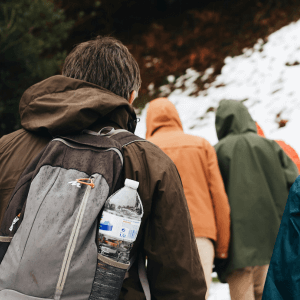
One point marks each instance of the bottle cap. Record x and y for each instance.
(131, 183)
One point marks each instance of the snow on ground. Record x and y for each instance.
(266, 77)
(218, 291)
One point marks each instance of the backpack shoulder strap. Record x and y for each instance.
(125, 138)
(143, 277)
(142, 273)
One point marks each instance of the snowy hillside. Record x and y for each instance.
(266, 77)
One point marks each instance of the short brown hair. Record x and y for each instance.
(104, 61)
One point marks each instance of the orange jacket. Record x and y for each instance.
(197, 165)
(292, 154)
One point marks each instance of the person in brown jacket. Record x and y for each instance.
(99, 82)
(197, 165)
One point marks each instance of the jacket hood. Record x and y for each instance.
(62, 105)
(232, 117)
(259, 130)
(162, 116)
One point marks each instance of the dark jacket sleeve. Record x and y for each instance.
(166, 234)
(17, 150)
(283, 275)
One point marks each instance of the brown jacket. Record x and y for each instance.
(197, 164)
(61, 105)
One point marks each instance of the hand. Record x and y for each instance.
(219, 264)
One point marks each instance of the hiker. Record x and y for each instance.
(197, 165)
(291, 152)
(282, 279)
(257, 175)
(99, 81)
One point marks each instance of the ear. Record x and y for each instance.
(132, 97)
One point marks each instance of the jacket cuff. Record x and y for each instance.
(221, 254)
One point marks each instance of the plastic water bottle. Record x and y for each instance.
(120, 222)
(119, 226)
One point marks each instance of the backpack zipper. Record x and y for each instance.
(15, 220)
(71, 245)
(89, 147)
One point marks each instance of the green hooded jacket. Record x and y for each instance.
(257, 176)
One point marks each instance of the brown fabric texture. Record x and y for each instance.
(197, 165)
(174, 268)
(56, 106)
(247, 283)
(62, 105)
(17, 150)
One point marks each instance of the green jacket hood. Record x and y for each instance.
(232, 117)
(62, 105)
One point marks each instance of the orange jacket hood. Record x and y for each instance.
(63, 105)
(162, 116)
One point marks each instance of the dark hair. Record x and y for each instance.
(104, 61)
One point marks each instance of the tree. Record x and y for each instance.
(31, 32)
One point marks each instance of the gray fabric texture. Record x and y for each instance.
(13, 295)
(44, 234)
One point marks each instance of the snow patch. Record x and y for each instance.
(265, 77)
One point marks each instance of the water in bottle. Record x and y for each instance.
(119, 226)
(120, 222)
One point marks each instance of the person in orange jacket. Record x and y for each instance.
(292, 154)
(203, 186)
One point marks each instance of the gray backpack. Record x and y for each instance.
(49, 251)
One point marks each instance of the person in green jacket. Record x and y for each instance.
(257, 175)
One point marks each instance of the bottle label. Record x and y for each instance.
(120, 228)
